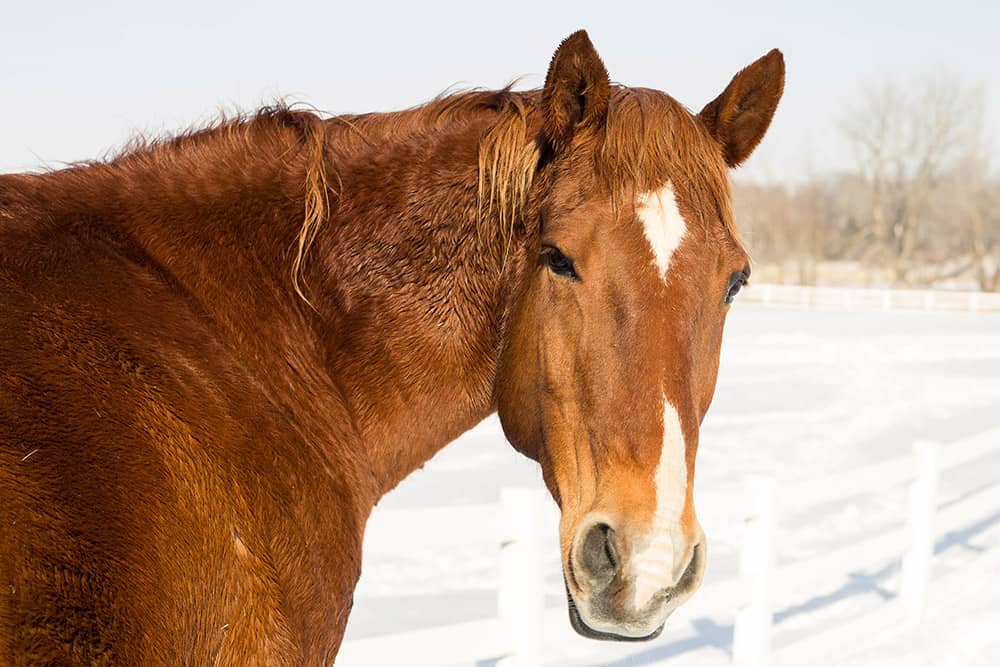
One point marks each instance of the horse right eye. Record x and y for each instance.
(559, 263)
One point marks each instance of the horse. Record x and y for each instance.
(219, 350)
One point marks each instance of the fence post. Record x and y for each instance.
(765, 294)
(916, 570)
(928, 300)
(521, 595)
(752, 630)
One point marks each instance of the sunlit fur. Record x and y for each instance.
(218, 351)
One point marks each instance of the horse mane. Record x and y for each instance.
(508, 156)
(649, 138)
(262, 132)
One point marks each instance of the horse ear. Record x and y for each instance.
(739, 117)
(576, 90)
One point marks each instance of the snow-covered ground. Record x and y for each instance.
(802, 395)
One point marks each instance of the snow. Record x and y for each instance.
(802, 395)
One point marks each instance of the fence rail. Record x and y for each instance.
(513, 526)
(859, 298)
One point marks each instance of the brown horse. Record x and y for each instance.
(217, 352)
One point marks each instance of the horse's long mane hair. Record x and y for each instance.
(648, 137)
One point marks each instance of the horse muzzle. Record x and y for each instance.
(619, 591)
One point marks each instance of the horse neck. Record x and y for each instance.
(413, 285)
(217, 214)
(395, 353)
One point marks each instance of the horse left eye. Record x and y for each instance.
(736, 282)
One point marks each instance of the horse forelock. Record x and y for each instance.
(648, 139)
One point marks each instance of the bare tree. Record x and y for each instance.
(921, 206)
(908, 142)
(975, 203)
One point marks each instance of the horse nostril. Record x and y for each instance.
(598, 556)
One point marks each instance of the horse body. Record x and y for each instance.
(138, 502)
(198, 429)
(203, 397)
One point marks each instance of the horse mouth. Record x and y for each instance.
(585, 630)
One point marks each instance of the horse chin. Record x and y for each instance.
(585, 630)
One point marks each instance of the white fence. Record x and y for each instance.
(851, 298)
(516, 635)
(513, 526)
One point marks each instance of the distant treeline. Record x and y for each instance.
(921, 207)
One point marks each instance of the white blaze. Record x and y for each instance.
(663, 225)
(659, 563)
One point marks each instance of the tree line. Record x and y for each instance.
(919, 207)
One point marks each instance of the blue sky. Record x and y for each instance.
(78, 78)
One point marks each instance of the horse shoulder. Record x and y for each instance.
(145, 488)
